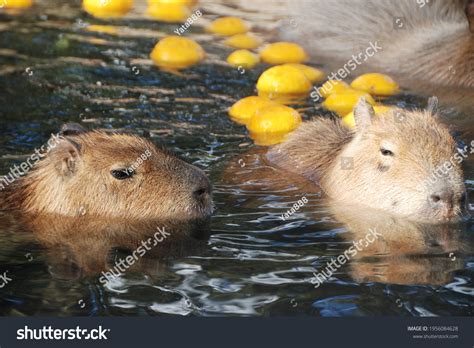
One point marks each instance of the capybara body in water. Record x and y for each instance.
(430, 41)
(390, 162)
(103, 174)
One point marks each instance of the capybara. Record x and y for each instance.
(400, 251)
(390, 162)
(96, 173)
(430, 41)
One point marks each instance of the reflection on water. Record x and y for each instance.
(248, 261)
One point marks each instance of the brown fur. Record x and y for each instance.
(322, 140)
(74, 179)
(434, 44)
(398, 183)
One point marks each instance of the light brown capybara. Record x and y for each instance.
(101, 174)
(400, 251)
(403, 162)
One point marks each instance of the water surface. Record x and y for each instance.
(251, 262)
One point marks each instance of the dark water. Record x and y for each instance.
(252, 262)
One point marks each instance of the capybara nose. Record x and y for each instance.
(199, 193)
(442, 202)
(202, 189)
(442, 197)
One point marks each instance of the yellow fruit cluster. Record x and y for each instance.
(341, 97)
(171, 11)
(267, 121)
(267, 116)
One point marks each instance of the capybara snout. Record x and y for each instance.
(193, 184)
(445, 201)
(115, 175)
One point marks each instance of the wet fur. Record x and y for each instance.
(316, 149)
(162, 187)
(435, 44)
(311, 149)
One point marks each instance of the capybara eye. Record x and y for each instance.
(122, 174)
(386, 152)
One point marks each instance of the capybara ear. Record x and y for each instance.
(65, 156)
(432, 106)
(72, 129)
(363, 113)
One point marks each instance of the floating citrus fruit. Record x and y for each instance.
(313, 74)
(283, 83)
(189, 3)
(268, 139)
(176, 52)
(16, 4)
(243, 58)
(283, 52)
(228, 26)
(274, 119)
(343, 102)
(349, 121)
(332, 86)
(170, 12)
(244, 109)
(244, 41)
(376, 84)
(107, 8)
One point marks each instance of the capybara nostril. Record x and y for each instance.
(444, 203)
(203, 189)
(435, 198)
(444, 196)
(200, 192)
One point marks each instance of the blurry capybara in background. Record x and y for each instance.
(431, 41)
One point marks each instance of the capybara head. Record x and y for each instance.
(405, 162)
(115, 175)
